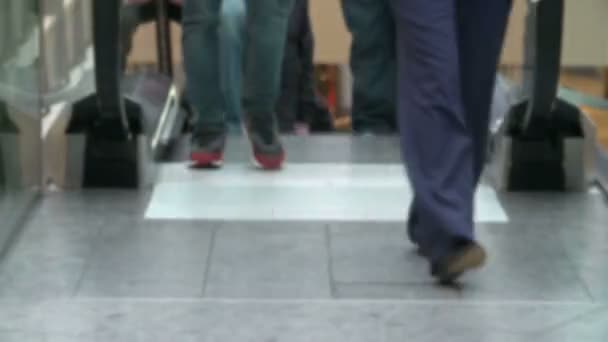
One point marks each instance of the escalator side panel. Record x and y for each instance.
(560, 160)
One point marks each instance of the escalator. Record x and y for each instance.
(542, 142)
(117, 134)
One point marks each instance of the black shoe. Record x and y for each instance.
(208, 148)
(263, 134)
(466, 257)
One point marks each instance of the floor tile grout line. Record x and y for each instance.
(579, 277)
(339, 301)
(429, 284)
(556, 326)
(330, 261)
(583, 282)
(208, 264)
(97, 240)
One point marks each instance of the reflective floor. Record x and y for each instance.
(287, 263)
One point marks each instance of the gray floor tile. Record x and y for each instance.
(558, 208)
(587, 247)
(415, 291)
(361, 253)
(596, 280)
(104, 203)
(149, 259)
(22, 336)
(288, 321)
(590, 327)
(48, 257)
(526, 262)
(269, 260)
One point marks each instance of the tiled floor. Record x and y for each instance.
(91, 266)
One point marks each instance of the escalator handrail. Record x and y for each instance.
(544, 33)
(163, 38)
(107, 56)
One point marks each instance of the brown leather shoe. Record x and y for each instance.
(467, 257)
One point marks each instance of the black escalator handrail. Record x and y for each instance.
(544, 32)
(163, 38)
(107, 54)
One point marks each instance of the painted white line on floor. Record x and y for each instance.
(301, 192)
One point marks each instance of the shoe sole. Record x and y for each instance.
(202, 162)
(270, 165)
(472, 258)
(274, 164)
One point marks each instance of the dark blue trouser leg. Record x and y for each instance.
(441, 123)
(481, 29)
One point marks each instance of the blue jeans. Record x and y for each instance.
(206, 50)
(232, 42)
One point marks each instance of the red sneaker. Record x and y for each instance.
(208, 149)
(263, 134)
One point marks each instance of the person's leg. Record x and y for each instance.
(287, 104)
(201, 60)
(477, 22)
(480, 21)
(436, 142)
(266, 34)
(232, 35)
(373, 65)
(311, 108)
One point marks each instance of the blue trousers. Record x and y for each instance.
(231, 47)
(447, 52)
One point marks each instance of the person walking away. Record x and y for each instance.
(447, 52)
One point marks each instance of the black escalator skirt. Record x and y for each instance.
(110, 159)
(538, 154)
(123, 112)
(540, 125)
(109, 122)
(7, 126)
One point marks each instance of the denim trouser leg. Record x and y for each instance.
(373, 64)
(232, 41)
(266, 35)
(201, 19)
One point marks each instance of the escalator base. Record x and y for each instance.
(541, 166)
(95, 163)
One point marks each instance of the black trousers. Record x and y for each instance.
(299, 101)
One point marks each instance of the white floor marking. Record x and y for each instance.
(301, 192)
